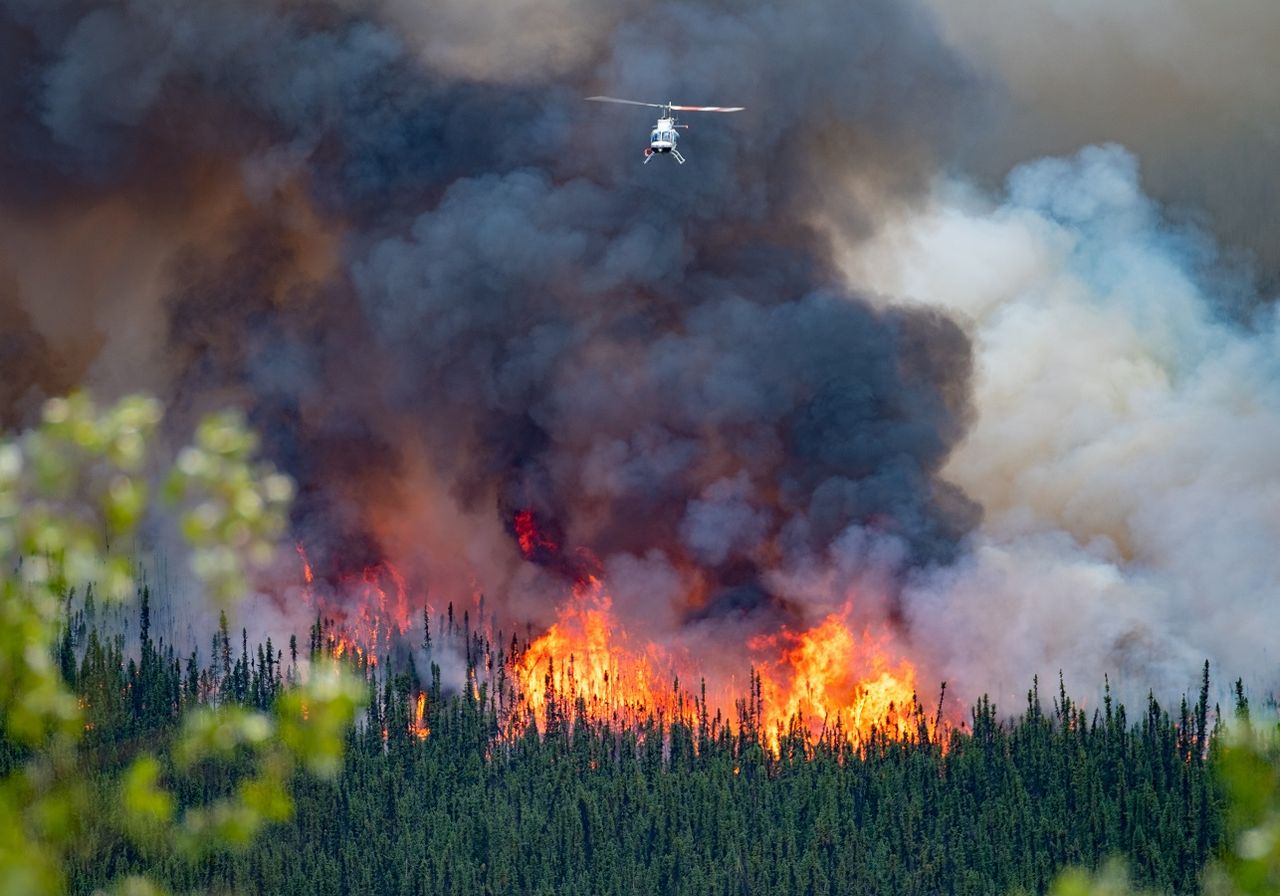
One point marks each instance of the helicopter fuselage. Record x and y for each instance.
(663, 138)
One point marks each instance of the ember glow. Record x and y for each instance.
(533, 542)
(358, 615)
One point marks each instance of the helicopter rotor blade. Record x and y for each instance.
(672, 106)
(614, 99)
(708, 108)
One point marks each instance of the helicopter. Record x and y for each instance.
(663, 137)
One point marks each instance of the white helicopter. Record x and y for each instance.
(663, 138)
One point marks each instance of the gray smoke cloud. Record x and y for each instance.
(449, 293)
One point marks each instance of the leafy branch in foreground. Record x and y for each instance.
(1250, 767)
(72, 487)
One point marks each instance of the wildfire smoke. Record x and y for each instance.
(671, 420)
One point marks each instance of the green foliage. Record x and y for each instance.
(306, 730)
(1247, 760)
(232, 508)
(1250, 767)
(314, 720)
(70, 489)
(1111, 880)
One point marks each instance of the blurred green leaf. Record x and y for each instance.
(69, 488)
(145, 803)
(1250, 767)
(313, 719)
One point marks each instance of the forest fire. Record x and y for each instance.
(418, 724)
(827, 680)
(834, 683)
(581, 657)
(357, 615)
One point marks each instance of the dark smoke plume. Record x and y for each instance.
(448, 292)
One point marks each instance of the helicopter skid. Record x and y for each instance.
(665, 150)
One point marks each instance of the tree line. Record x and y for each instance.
(442, 793)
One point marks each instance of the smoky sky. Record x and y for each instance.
(397, 256)
(1186, 86)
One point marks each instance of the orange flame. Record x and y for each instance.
(378, 618)
(831, 682)
(826, 678)
(580, 659)
(307, 575)
(418, 725)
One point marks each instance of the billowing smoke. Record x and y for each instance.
(449, 293)
(1124, 442)
(814, 366)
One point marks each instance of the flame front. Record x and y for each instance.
(827, 680)
(832, 682)
(581, 658)
(821, 682)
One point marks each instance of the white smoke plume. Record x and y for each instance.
(1124, 447)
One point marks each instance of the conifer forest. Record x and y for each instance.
(448, 793)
